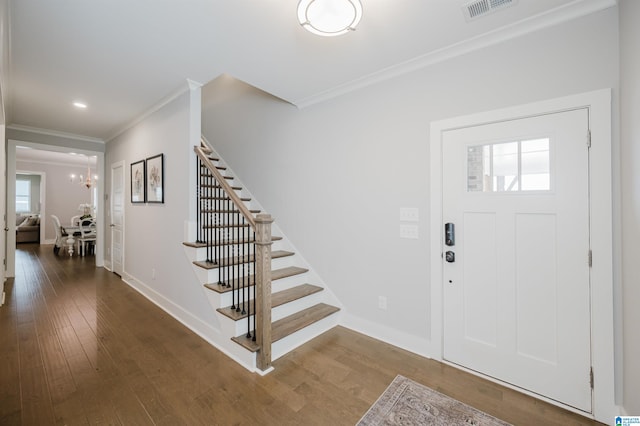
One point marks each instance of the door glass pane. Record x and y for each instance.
(535, 165)
(505, 166)
(509, 166)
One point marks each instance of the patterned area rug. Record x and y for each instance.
(406, 402)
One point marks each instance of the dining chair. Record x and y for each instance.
(87, 238)
(61, 234)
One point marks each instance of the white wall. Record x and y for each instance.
(154, 233)
(630, 170)
(4, 63)
(335, 175)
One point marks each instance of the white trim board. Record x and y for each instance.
(602, 323)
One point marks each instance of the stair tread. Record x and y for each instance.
(206, 185)
(208, 151)
(276, 274)
(289, 325)
(239, 259)
(204, 197)
(204, 244)
(226, 211)
(217, 167)
(277, 299)
(227, 225)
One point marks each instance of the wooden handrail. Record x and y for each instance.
(226, 187)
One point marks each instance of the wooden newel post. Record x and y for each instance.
(263, 290)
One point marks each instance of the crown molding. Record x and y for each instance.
(47, 132)
(184, 88)
(565, 13)
(55, 163)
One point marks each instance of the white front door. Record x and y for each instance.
(516, 281)
(117, 217)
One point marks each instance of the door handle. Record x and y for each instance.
(450, 256)
(112, 225)
(449, 234)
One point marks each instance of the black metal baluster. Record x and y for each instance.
(247, 270)
(198, 189)
(208, 215)
(220, 229)
(255, 293)
(229, 250)
(214, 213)
(241, 259)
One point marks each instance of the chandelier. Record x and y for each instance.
(87, 182)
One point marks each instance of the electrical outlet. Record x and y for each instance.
(382, 302)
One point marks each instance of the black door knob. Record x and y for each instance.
(450, 256)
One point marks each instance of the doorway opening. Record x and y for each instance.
(56, 165)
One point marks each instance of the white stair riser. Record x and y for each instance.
(298, 305)
(201, 252)
(194, 253)
(289, 282)
(277, 313)
(283, 262)
(233, 328)
(211, 275)
(289, 343)
(226, 299)
(276, 285)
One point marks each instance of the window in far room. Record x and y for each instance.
(23, 196)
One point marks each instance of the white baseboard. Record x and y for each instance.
(195, 324)
(417, 345)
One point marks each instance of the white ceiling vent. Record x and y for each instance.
(478, 8)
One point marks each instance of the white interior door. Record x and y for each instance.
(117, 218)
(516, 296)
(3, 235)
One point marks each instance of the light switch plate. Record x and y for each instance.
(409, 214)
(409, 231)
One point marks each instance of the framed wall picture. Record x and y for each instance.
(155, 179)
(138, 186)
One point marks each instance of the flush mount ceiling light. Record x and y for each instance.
(329, 17)
(80, 105)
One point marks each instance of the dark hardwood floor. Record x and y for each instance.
(78, 346)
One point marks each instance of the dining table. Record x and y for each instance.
(71, 241)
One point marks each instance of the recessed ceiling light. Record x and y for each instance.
(80, 105)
